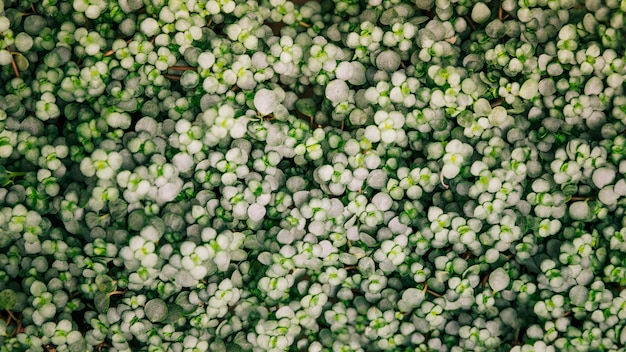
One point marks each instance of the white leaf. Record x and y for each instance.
(603, 176)
(579, 210)
(499, 279)
(337, 91)
(256, 212)
(529, 89)
(266, 101)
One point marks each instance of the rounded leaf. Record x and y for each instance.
(578, 295)
(156, 310)
(480, 13)
(529, 89)
(497, 116)
(8, 299)
(579, 211)
(337, 91)
(266, 101)
(102, 301)
(603, 176)
(499, 280)
(388, 60)
(37, 288)
(413, 297)
(306, 106)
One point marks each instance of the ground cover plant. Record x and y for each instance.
(343, 175)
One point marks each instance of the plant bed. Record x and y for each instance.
(343, 175)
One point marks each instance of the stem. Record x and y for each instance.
(497, 103)
(183, 68)
(14, 65)
(172, 77)
(304, 24)
(13, 174)
(116, 293)
(433, 293)
(11, 317)
(443, 183)
(109, 53)
(471, 23)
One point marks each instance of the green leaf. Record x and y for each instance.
(118, 209)
(8, 299)
(37, 288)
(569, 189)
(175, 312)
(102, 301)
(105, 283)
(306, 106)
(156, 310)
(136, 220)
(182, 301)
(94, 220)
(529, 89)
(233, 347)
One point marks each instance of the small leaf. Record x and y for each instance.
(499, 279)
(182, 300)
(569, 189)
(388, 60)
(118, 209)
(185, 279)
(266, 101)
(337, 91)
(580, 211)
(105, 283)
(236, 348)
(413, 297)
(21, 61)
(175, 312)
(306, 106)
(603, 176)
(578, 295)
(102, 302)
(94, 220)
(480, 13)
(156, 310)
(529, 89)
(8, 299)
(37, 288)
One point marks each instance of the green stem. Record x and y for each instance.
(11, 175)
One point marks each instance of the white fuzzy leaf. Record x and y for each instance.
(266, 101)
(499, 279)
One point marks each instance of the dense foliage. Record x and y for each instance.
(343, 175)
